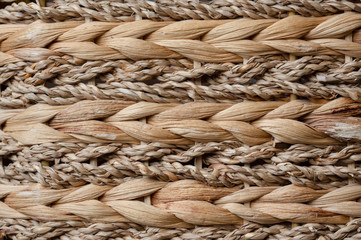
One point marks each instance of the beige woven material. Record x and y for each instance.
(60, 10)
(185, 124)
(224, 119)
(220, 41)
(259, 78)
(181, 204)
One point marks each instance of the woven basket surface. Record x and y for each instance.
(185, 119)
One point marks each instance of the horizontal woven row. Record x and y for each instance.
(181, 204)
(66, 70)
(108, 10)
(60, 165)
(228, 166)
(220, 41)
(30, 229)
(176, 81)
(328, 124)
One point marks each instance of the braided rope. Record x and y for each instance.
(18, 94)
(227, 152)
(69, 163)
(181, 204)
(265, 78)
(79, 229)
(186, 123)
(171, 10)
(221, 40)
(110, 173)
(61, 70)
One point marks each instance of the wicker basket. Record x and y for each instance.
(133, 119)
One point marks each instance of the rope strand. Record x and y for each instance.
(221, 40)
(186, 123)
(182, 203)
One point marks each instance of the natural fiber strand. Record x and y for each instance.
(128, 160)
(181, 204)
(184, 124)
(62, 71)
(30, 229)
(247, 81)
(171, 10)
(221, 40)
(112, 171)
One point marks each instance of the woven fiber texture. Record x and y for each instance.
(181, 204)
(171, 81)
(185, 124)
(221, 41)
(125, 10)
(186, 119)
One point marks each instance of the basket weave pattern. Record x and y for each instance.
(224, 119)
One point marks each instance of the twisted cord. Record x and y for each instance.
(70, 166)
(20, 228)
(225, 81)
(62, 71)
(227, 152)
(181, 204)
(174, 10)
(110, 173)
(220, 40)
(19, 94)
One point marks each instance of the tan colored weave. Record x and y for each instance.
(220, 41)
(259, 78)
(224, 119)
(181, 204)
(188, 123)
(60, 10)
